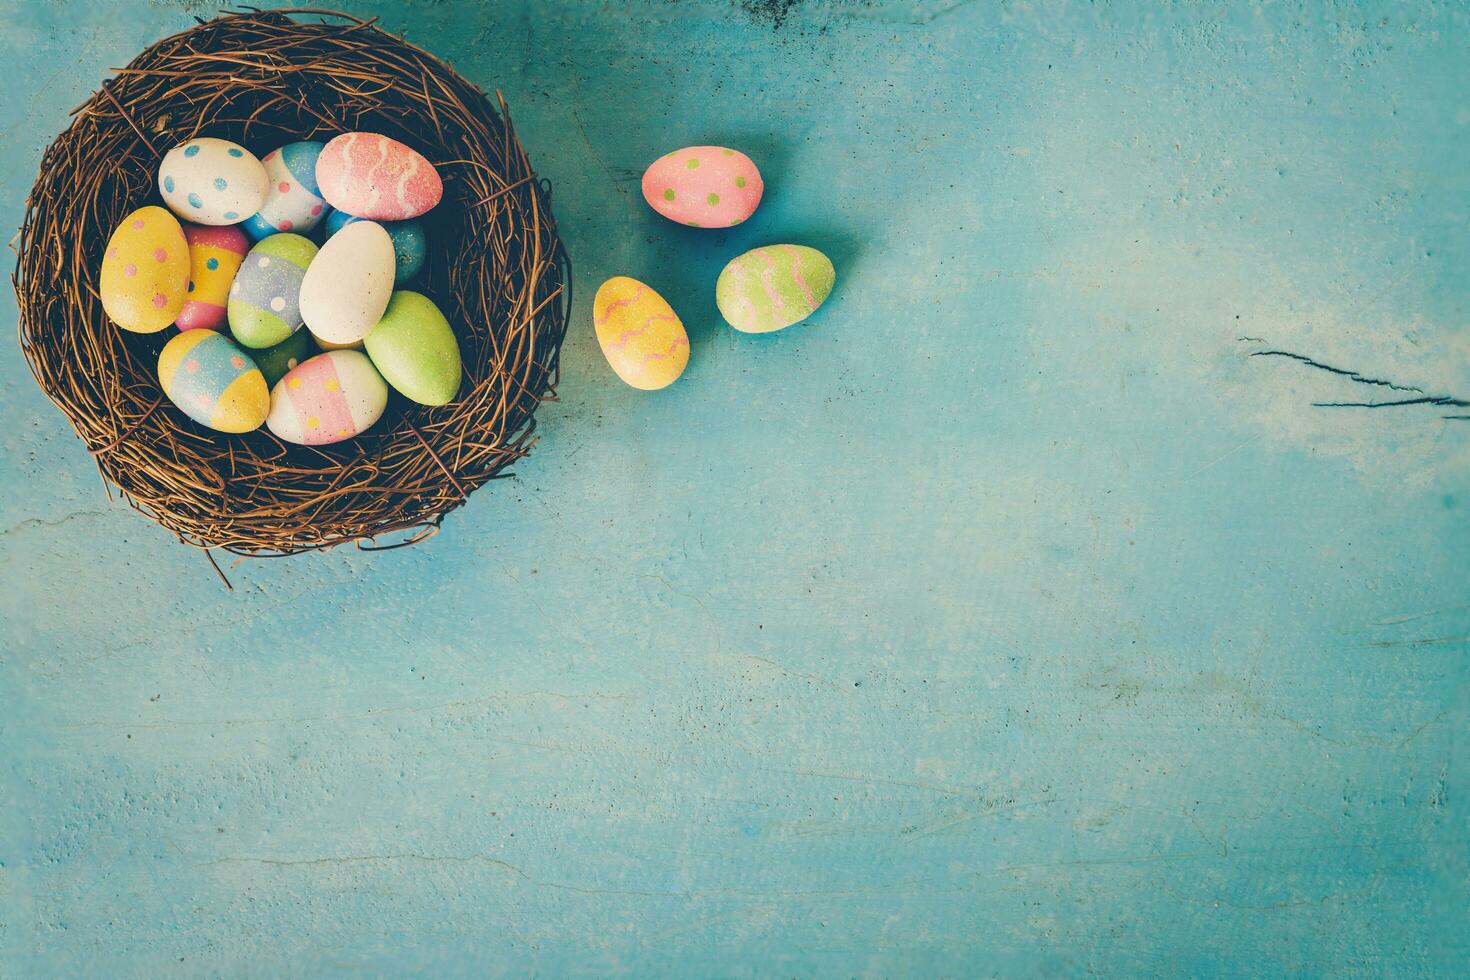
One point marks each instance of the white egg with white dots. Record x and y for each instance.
(212, 181)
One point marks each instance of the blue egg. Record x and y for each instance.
(300, 161)
(337, 220)
(257, 227)
(410, 244)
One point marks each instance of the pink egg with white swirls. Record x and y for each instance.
(704, 186)
(372, 176)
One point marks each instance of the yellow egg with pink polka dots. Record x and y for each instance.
(213, 382)
(145, 271)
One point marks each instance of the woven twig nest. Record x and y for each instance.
(495, 267)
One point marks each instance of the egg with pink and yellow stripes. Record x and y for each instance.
(373, 176)
(215, 254)
(704, 186)
(331, 397)
(640, 335)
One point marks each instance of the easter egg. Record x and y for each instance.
(773, 287)
(703, 186)
(145, 271)
(265, 300)
(292, 201)
(276, 362)
(328, 345)
(413, 347)
(348, 284)
(212, 181)
(639, 333)
(215, 254)
(214, 382)
(333, 396)
(375, 177)
(410, 244)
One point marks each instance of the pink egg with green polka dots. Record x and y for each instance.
(703, 186)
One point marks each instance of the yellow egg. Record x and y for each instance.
(145, 271)
(640, 335)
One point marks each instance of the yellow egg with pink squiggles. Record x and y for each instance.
(640, 335)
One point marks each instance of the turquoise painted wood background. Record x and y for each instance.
(1008, 618)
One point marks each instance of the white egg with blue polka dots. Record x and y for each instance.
(212, 181)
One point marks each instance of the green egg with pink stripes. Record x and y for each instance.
(774, 286)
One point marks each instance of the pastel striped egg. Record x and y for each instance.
(145, 271)
(704, 186)
(347, 286)
(211, 181)
(773, 287)
(410, 244)
(640, 335)
(213, 382)
(265, 300)
(215, 254)
(373, 176)
(293, 202)
(333, 396)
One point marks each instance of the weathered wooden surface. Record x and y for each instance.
(1008, 618)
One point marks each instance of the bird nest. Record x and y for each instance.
(496, 267)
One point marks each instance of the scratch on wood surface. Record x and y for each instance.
(858, 777)
(1422, 398)
(1426, 642)
(989, 810)
(1397, 620)
(510, 696)
(330, 861)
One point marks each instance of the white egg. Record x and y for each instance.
(212, 181)
(347, 285)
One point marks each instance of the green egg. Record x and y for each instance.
(275, 361)
(773, 287)
(413, 347)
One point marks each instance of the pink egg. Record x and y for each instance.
(372, 176)
(703, 186)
